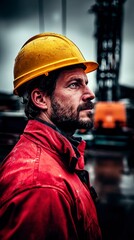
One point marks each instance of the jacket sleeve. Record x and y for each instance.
(39, 213)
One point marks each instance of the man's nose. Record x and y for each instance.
(88, 94)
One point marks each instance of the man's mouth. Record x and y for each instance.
(86, 106)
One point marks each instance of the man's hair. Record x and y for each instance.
(45, 84)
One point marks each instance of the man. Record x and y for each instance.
(45, 191)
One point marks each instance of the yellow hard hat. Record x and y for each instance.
(44, 53)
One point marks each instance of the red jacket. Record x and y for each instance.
(41, 194)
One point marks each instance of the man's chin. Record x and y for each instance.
(85, 124)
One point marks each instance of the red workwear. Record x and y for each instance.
(42, 195)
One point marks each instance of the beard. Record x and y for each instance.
(67, 119)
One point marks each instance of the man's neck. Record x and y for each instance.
(52, 125)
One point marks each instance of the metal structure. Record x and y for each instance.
(109, 21)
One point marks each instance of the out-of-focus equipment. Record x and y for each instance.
(44, 53)
(109, 115)
(12, 122)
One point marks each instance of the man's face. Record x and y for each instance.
(71, 106)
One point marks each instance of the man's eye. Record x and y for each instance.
(74, 85)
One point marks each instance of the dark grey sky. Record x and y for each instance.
(19, 20)
(12, 10)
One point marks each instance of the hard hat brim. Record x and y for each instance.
(90, 67)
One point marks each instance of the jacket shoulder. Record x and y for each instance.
(29, 168)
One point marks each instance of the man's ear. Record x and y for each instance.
(39, 99)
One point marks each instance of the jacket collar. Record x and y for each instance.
(71, 150)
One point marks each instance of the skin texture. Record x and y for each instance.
(70, 107)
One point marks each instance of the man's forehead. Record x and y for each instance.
(73, 72)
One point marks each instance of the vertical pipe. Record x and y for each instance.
(64, 17)
(41, 15)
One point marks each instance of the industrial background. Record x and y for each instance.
(103, 30)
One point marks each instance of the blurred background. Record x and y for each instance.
(104, 32)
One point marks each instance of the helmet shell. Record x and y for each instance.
(44, 53)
